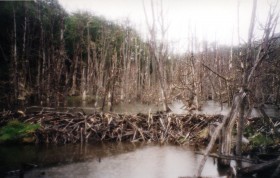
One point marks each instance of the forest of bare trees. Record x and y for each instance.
(48, 55)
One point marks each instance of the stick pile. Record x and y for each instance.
(66, 127)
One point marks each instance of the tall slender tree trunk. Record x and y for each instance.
(157, 50)
(15, 58)
(83, 83)
(245, 81)
(24, 60)
(123, 70)
(73, 89)
(194, 84)
(162, 86)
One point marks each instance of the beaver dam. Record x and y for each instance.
(190, 129)
(67, 127)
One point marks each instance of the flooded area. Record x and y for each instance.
(132, 108)
(177, 107)
(208, 107)
(107, 160)
(213, 107)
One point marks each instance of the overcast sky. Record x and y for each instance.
(213, 20)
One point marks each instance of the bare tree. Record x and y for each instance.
(15, 56)
(158, 48)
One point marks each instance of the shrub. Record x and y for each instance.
(15, 131)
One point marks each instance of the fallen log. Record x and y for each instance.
(259, 167)
(237, 158)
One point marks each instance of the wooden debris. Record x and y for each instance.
(60, 127)
(237, 158)
(260, 167)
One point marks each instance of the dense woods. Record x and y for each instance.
(48, 55)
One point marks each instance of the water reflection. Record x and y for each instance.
(121, 160)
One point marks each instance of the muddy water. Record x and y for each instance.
(107, 161)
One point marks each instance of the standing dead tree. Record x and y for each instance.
(157, 47)
(251, 62)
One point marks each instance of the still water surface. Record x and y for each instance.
(177, 107)
(108, 160)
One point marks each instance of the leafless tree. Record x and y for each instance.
(158, 48)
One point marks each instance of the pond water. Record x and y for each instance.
(208, 107)
(106, 160)
(177, 107)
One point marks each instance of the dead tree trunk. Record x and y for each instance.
(73, 89)
(194, 84)
(226, 120)
(14, 71)
(157, 49)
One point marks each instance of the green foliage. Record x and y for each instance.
(260, 139)
(16, 130)
(249, 131)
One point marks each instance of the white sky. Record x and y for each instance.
(213, 20)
